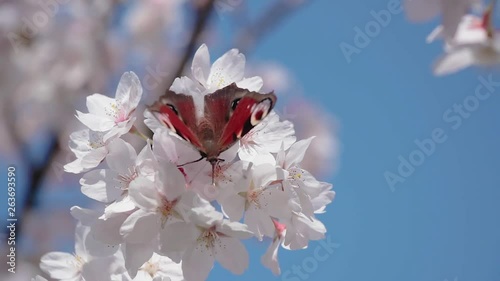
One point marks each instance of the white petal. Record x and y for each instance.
(140, 227)
(59, 265)
(234, 229)
(233, 206)
(144, 276)
(227, 69)
(454, 61)
(136, 255)
(94, 158)
(200, 68)
(184, 85)
(81, 234)
(168, 148)
(270, 258)
(259, 223)
(84, 216)
(297, 151)
(124, 205)
(121, 156)
(143, 193)
(95, 122)
(151, 121)
(171, 270)
(231, 254)
(129, 91)
(173, 182)
(75, 167)
(101, 185)
(120, 129)
(197, 262)
(264, 174)
(99, 105)
(253, 84)
(275, 202)
(205, 216)
(99, 269)
(108, 230)
(97, 248)
(177, 237)
(79, 142)
(435, 34)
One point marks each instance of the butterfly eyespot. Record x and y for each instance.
(260, 111)
(234, 103)
(173, 108)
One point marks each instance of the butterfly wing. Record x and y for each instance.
(177, 112)
(234, 112)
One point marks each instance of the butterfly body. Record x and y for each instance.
(227, 115)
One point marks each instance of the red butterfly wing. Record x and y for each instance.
(177, 112)
(234, 112)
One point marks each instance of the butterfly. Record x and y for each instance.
(227, 115)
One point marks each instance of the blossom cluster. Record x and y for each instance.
(467, 30)
(163, 216)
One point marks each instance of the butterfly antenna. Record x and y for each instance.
(191, 162)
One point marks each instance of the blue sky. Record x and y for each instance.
(442, 221)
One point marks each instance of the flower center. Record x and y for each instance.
(126, 179)
(95, 140)
(218, 79)
(151, 268)
(209, 237)
(78, 263)
(296, 174)
(220, 173)
(166, 209)
(253, 195)
(115, 111)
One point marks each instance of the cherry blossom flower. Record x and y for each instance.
(110, 186)
(160, 203)
(159, 268)
(89, 148)
(168, 147)
(300, 229)
(212, 238)
(79, 266)
(310, 195)
(113, 116)
(156, 220)
(259, 199)
(475, 43)
(266, 138)
(227, 69)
